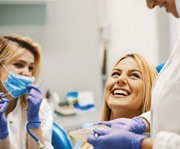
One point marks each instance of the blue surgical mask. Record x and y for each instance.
(16, 85)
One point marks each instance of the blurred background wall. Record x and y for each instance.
(67, 31)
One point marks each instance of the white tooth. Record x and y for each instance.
(120, 92)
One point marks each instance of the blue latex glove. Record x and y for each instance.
(112, 139)
(3, 122)
(34, 100)
(135, 124)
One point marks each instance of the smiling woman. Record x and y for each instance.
(128, 88)
(127, 91)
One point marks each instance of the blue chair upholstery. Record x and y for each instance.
(159, 67)
(60, 139)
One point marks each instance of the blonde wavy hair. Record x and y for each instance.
(149, 74)
(12, 46)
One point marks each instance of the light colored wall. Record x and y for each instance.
(135, 28)
(67, 30)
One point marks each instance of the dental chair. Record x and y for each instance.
(159, 67)
(60, 139)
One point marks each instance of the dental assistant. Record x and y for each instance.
(165, 122)
(21, 101)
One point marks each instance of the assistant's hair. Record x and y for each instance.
(12, 46)
(149, 74)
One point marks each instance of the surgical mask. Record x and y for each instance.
(177, 2)
(16, 85)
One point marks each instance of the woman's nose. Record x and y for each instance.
(122, 81)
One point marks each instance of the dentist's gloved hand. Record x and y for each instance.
(112, 139)
(3, 122)
(34, 100)
(135, 124)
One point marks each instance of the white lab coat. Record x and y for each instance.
(17, 126)
(165, 119)
(147, 116)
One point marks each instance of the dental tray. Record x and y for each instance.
(82, 134)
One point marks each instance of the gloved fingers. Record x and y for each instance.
(107, 123)
(3, 106)
(34, 96)
(2, 100)
(35, 93)
(33, 86)
(140, 127)
(30, 100)
(121, 121)
(1, 94)
(100, 132)
(97, 138)
(33, 100)
(135, 124)
(92, 140)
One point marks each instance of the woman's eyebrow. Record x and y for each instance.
(117, 69)
(22, 61)
(131, 70)
(19, 60)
